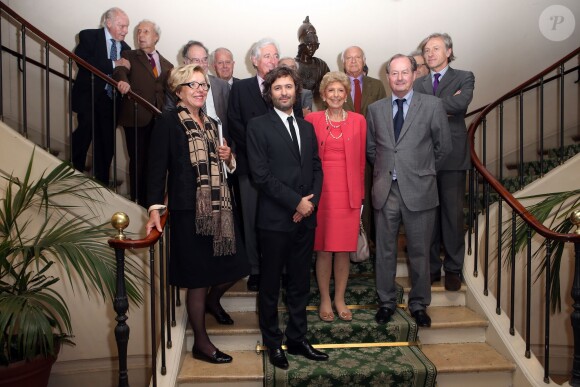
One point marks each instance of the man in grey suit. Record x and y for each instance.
(408, 138)
(455, 89)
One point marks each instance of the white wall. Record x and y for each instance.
(499, 41)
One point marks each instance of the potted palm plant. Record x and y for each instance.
(40, 242)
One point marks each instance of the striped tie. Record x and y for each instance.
(153, 65)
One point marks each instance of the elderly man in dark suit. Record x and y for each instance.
(102, 49)
(455, 89)
(364, 91)
(283, 159)
(147, 77)
(408, 139)
(246, 102)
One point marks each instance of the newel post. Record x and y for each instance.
(120, 221)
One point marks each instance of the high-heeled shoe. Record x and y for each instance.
(217, 357)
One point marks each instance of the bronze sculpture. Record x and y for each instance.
(310, 68)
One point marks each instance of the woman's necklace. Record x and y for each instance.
(330, 125)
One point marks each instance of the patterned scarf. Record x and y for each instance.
(214, 215)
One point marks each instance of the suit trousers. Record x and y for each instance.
(449, 223)
(104, 141)
(294, 250)
(249, 203)
(137, 140)
(418, 229)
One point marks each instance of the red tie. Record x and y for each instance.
(357, 96)
(152, 61)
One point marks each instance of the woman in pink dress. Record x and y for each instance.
(341, 139)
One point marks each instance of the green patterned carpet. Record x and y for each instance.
(388, 366)
(402, 364)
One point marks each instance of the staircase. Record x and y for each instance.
(455, 343)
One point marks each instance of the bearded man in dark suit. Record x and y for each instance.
(284, 163)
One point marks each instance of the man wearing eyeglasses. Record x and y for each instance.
(216, 104)
(364, 91)
(422, 68)
(221, 60)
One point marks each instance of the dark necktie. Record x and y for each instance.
(153, 65)
(399, 118)
(113, 57)
(436, 82)
(357, 96)
(293, 132)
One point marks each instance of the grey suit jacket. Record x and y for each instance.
(423, 144)
(372, 90)
(455, 106)
(220, 90)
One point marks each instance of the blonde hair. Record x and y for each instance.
(334, 76)
(181, 74)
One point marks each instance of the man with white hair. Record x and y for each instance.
(102, 49)
(246, 102)
(146, 77)
(221, 60)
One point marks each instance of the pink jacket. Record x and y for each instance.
(355, 137)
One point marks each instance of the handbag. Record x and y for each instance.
(362, 247)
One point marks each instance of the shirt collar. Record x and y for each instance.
(442, 72)
(407, 96)
(284, 116)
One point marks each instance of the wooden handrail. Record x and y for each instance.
(79, 61)
(497, 186)
(148, 241)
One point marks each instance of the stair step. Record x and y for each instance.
(242, 336)
(246, 370)
(453, 324)
(439, 296)
(477, 363)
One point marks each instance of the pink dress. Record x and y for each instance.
(338, 224)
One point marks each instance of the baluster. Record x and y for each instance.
(47, 93)
(153, 316)
(562, 98)
(529, 293)
(512, 259)
(24, 97)
(486, 238)
(498, 285)
(575, 318)
(162, 305)
(547, 271)
(476, 228)
(541, 118)
(521, 146)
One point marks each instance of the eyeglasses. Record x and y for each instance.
(196, 85)
(421, 64)
(197, 60)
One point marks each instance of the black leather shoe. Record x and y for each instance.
(452, 281)
(218, 357)
(278, 358)
(383, 315)
(254, 282)
(422, 318)
(304, 348)
(435, 277)
(221, 316)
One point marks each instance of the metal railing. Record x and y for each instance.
(495, 116)
(27, 33)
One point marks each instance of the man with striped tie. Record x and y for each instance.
(147, 77)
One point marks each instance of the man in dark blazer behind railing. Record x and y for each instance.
(96, 47)
(147, 77)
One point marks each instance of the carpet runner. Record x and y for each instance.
(377, 355)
